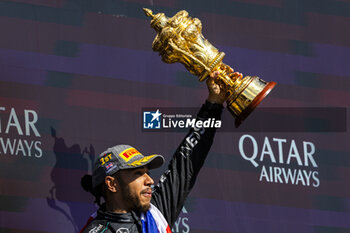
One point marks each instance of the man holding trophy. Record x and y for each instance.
(120, 176)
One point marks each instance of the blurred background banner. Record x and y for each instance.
(75, 76)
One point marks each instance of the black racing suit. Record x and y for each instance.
(175, 184)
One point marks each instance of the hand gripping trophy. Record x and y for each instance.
(180, 39)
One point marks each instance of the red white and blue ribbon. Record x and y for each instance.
(154, 222)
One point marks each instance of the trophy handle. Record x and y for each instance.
(196, 60)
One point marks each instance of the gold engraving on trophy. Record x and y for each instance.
(180, 39)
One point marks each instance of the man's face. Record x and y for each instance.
(135, 186)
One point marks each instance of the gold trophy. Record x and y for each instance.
(180, 39)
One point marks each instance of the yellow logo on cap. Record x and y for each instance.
(129, 154)
(141, 161)
(105, 158)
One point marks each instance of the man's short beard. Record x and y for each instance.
(132, 201)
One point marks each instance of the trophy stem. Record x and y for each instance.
(241, 104)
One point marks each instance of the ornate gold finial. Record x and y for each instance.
(148, 12)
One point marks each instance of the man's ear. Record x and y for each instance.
(112, 184)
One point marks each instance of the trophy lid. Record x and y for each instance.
(158, 21)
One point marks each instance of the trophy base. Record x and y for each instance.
(245, 101)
